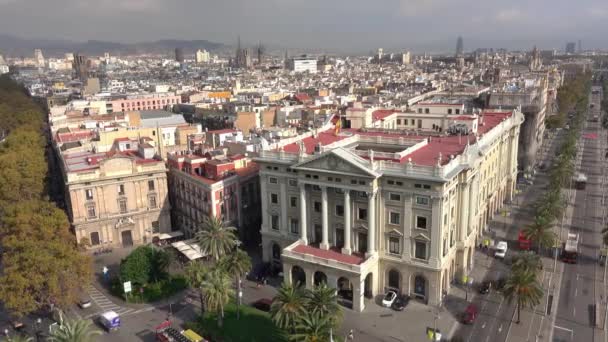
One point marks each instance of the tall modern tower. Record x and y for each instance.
(459, 46)
(179, 55)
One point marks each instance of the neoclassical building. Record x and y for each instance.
(117, 198)
(371, 209)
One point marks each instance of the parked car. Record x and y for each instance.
(17, 325)
(501, 250)
(109, 320)
(84, 303)
(400, 303)
(262, 304)
(389, 299)
(484, 287)
(470, 314)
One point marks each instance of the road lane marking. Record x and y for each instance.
(562, 328)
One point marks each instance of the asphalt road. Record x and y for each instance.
(496, 314)
(576, 307)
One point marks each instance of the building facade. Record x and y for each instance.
(117, 199)
(302, 64)
(204, 185)
(145, 102)
(377, 209)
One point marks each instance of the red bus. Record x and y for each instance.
(524, 244)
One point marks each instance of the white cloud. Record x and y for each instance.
(509, 15)
(598, 12)
(411, 8)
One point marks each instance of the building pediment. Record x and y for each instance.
(422, 237)
(338, 161)
(394, 233)
(116, 166)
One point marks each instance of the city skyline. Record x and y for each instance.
(338, 26)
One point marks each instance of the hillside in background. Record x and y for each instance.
(12, 46)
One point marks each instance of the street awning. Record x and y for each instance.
(189, 249)
(165, 236)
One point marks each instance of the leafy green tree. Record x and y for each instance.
(524, 289)
(40, 259)
(288, 306)
(196, 275)
(144, 265)
(216, 239)
(217, 292)
(312, 327)
(324, 300)
(136, 267)
(160, 261)
(74, 331)
(236, 264)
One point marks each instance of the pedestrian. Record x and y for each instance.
(351, 336)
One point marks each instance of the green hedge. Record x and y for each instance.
(152, 292)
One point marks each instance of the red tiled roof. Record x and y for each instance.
(331, 254)
(325, 138)
(302, 97)
(463, 118)
(427, 155)
(74, 136)
(380, 114)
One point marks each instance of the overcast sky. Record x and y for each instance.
(348, 25)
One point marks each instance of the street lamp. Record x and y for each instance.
(38, 324)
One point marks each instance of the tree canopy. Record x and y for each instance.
(40, 262)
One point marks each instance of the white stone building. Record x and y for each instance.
(375, 209)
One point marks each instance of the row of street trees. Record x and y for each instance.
(522, 285)
(214, 283)
(41, 265)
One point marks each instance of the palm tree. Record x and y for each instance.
(524, 288)
(288, 306)
(74, 331)
(236, 264)
(217, 292)
(312, 327)
(161, 260)
(216, 239)
(539, 232)
(196, 274)
(324, 300)
(526, 262)
(20, 338)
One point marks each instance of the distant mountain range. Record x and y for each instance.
(12, 46)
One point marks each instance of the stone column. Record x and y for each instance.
(324, 219)
(371, 219)
(264, 197)
(284, 201)
(471, 204)
(464, 230)
(358, 298)
(303, 215)
(347, 224)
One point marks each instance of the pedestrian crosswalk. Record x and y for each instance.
(104, 303)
